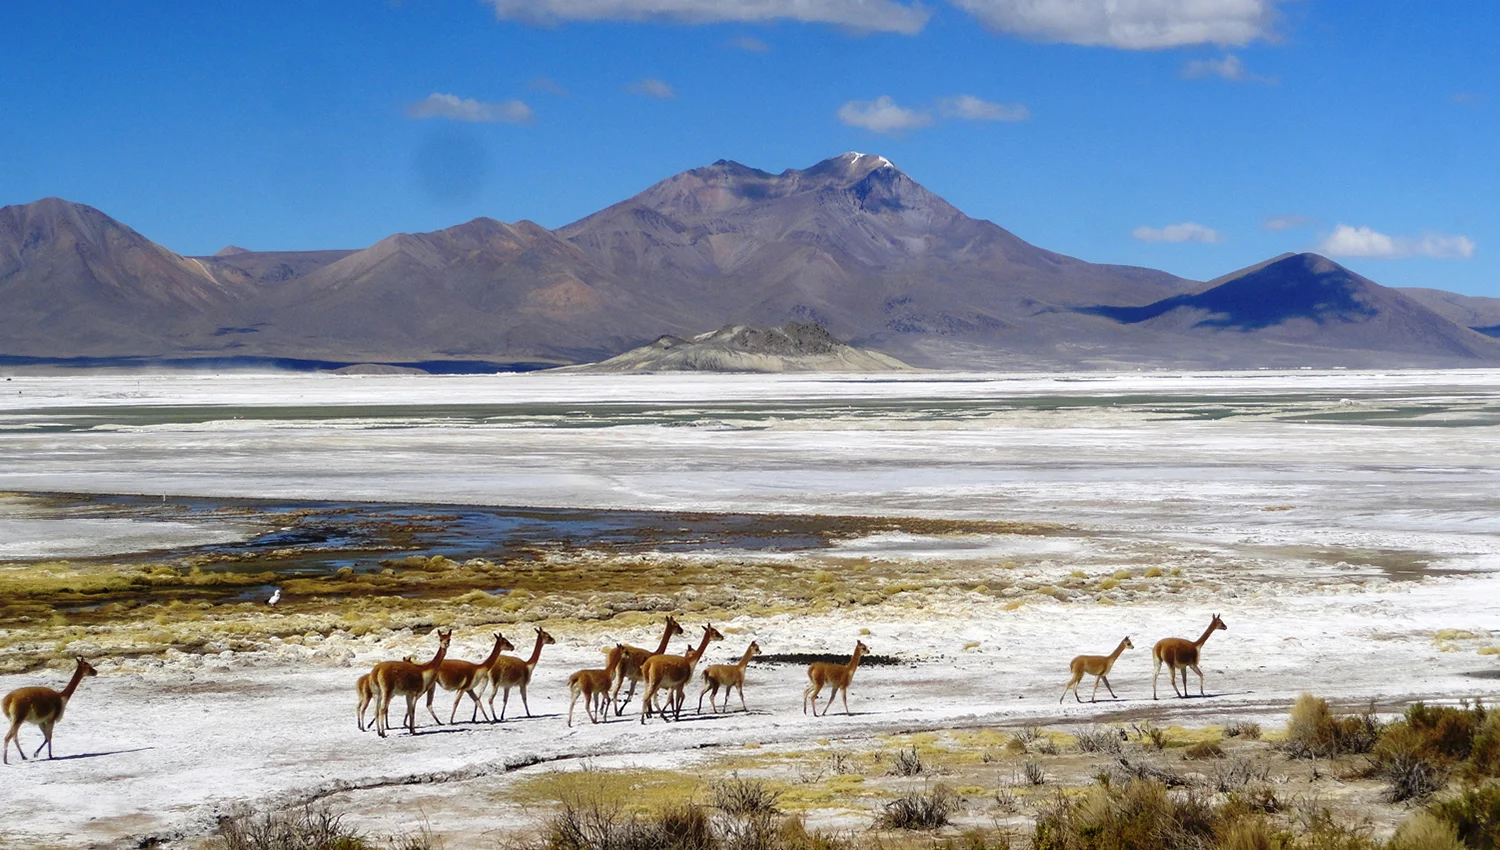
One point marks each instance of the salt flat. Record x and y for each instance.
(1344, 524)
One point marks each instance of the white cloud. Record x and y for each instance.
(1228, 68)
(1346, 241)
(652, 87)
(875, 15)
(455, 108)
(1278, 223)
(751, 44)
(882, 115)
(1129, 24)
(1187, 231)
(971, 108)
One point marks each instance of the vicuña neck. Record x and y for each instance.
(494, 653)
(666, 639)
(67, 693)
(745, 659)
(1116, 654)
(536, 651)
(1206, 632)
(436, 659)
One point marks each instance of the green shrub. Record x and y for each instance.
(307, 828)
(1474, 814)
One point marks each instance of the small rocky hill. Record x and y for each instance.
(796, 347)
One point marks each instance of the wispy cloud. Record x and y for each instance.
(1230, 68)
(1129, 24)
(652, 87)
(1277, 223)
(751, 44)
(868, 15)
(550, 86)
(967, 107)
(1346, 241)
(1468, 98)
(455, 108)
(1187, 231)
(882, 115)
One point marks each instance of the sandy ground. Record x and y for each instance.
(1349, 559)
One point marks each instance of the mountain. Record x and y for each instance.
(796, 347)
(74, 280)
(1305, 309)
(851, 243)
(1475, 312)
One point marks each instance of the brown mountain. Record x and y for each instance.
(851, 243)
(76, 282)
(854, 244)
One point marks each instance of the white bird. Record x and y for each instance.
(275, 597)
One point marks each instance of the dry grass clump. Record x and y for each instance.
(928, 809)
(1100, 739)
(1033, 774)
(308, 828)
(738, 796)
(1315, 732)
(1203, 750)
(1247, 729)
(1425, 832)
(908, 763)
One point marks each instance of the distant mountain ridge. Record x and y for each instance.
(852, 243)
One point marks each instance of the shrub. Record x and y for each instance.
(1314, 732)
(1474, 814)
(907, 763)
(1139, 815)
(1203, 750)
(1410, 776)
(1484, 756)
(1247, 729)
(1152, 737)
(307, 828)
(1097, 739)
(1425, 832)
(738, 796)
(1033, 774)
(1438, 733)
(920, 810)
(1251, 834)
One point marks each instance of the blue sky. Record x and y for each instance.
(1196, 136)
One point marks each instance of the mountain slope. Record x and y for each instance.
(1476, 312)
(72, 276)
(1310, 301)
(483, 289)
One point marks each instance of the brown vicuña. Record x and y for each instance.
(508, 672)
(40, 706)
(465, 677)
(593, 686)
(365, 688)
(672, 673)
(631, 661)
(1097, 666)
(1181, 654)
(407, 679)
(820, 673)
(728, 677)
